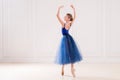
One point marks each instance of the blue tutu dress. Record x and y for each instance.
(68, 51)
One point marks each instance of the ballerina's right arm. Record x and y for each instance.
(58, 16)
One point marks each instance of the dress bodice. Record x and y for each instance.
(65, 31)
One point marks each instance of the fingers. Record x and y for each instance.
(71, 6)
(61, 7)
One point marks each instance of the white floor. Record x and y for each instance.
(37, 71)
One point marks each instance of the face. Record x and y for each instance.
(66, 18)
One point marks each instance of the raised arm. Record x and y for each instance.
(58, 16)
(74, 12)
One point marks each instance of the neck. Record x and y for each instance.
(67, 21)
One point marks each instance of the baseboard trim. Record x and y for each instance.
(50, 59)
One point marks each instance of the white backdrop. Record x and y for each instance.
(30, 31)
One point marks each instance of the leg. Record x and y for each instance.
(62, 70)
(72, 70)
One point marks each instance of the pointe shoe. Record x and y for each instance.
(62, 73)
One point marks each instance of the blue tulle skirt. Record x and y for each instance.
(68, 51)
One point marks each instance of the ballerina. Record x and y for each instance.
(68, 52)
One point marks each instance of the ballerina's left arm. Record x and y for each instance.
(74, 13)
(74, 16)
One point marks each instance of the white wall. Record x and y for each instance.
(30, 32)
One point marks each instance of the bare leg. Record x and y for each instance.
(72, 70)
(62, 70)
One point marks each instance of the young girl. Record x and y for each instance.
(68, 52)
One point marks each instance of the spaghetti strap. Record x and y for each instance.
(64, 25)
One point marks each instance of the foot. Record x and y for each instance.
(73, 72)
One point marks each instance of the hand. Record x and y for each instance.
(72, 6)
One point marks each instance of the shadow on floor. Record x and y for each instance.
(67, 77)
